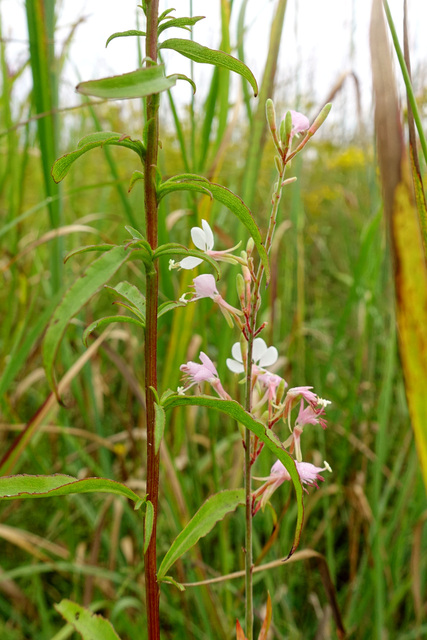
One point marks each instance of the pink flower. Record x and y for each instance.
(270, 382)
(311, 415)
(300, 123)
(308, 473)
(195, 373)
(205, 287)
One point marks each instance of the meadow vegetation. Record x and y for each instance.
(331, 314)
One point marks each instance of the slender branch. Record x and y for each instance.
(150, 199)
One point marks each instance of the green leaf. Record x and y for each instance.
(159, 427)
(28, 486)
(136, 84)
(181, 76)
(62, 166)
(87, 249)
(130, 294)
(199, 53)
(104, 322)
(173, 249)
(236, 411)
(176, 584)
(211, 512)
(91, 626)
(148, 524)
(193, 182)
(180, 23)
(170, 305)
(135, 177)
(124, 34)
(96, 275)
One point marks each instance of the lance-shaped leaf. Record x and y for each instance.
(199, 53)
(93, 278)
(193, 182)
(136, 84)
(180, 23)
(101, 323)
(27, 486)
(235, 411)
(211, 512)
(99, 139)
(131, 295)
(91, 626)
(124, 34)
(409, 264)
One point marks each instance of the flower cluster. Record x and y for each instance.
(272, 402)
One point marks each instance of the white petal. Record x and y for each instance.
(269, 357)
(258, 349)
(199, 238)
(208, 235)
(236, 352)
(235, 367)
(190, 263)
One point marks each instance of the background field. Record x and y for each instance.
(330, 313)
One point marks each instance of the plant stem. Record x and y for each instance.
(152, 283)
(255, 304)
(249, 606)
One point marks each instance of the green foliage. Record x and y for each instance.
(199, 53)
(91, 626)
(210, 513)
(136, 84)
(26, 486)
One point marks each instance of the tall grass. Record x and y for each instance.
(331, 314)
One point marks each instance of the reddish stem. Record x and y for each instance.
(150, 199)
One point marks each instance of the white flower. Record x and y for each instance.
(262, 356)
(204, 240)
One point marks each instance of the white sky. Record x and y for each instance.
(321, 40)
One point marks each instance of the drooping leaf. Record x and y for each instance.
(136, 84)
(192, 182)
(148, 524)
(104, 322)
(135, 177)
(124, 34)
(235, 411)
(88, 249)
(199, 53)
(181, 23)
(91, 626)
(30, 486)
(182, 76)
(94, 140)
(212, 511)
(130, 294)
(96, 275)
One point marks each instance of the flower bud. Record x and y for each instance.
(286, 127)
(271, 115)
(320, 118)
(240, 285)
(280, 391)
(250, 246)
